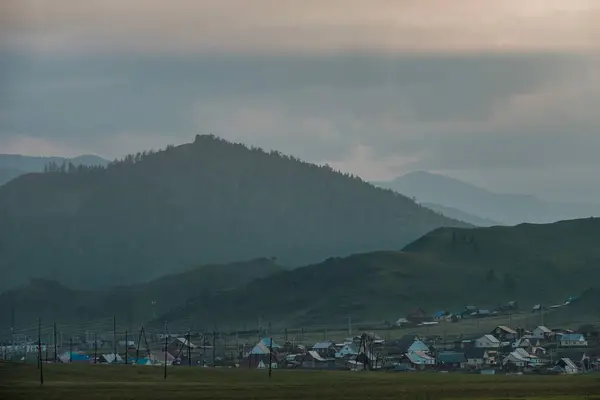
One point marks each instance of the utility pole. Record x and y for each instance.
(270, 355)
(12, 330)
(40, 351)
(214, 346)
(126, 347)
(189, 349)
(55, 355)
(115, 338)
(349, 326)
(70, 349)
(166, 344)
(95, 348)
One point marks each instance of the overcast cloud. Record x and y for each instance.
(504, 95)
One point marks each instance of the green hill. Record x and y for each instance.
(445, 269)
(206, 202)
(132, 305)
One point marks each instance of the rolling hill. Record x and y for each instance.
(506, 209)
(131, 305)
(206, 202)
(14, 165)
(445, 269)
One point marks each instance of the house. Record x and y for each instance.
(439, 315)
(313, 360)
(541, 332)
(325, 349)
(110, 358)
(565, 366)
(411, 343)
(452, 360)
(468, 311)
(523, 343)
(264, 346)
(419, 359)
(477, 357)
(347, 351)
(573, 340)
(487, 342)
(402, 322)
(521, 358)
(417, 315)
(262, 365)
(260, 361)
(74, 357)
(160, 358)
(579, 358)
(180, 345)
(504, 333)
(538, 308)
(481, 313)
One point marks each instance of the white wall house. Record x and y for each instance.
(541, 332)
(487, 342)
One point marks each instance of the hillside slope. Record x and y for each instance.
(509, 209)
(445, 269)
(206, 202)
(131, 305)
(457, 214)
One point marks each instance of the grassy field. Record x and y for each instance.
(129, 382)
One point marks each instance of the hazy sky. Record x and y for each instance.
(504, 94)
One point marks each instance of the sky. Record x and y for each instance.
(501, 94)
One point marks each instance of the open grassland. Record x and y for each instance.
(129, 382)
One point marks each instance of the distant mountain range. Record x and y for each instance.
(443, 270)
(478, 206)
(14, 165)
(210, 201)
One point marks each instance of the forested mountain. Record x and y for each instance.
(446, 269)
(506, 209)
(131, 305)
(205, 202)
(13, 165)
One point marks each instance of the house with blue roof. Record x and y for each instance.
(573, 340)
(439, 315)
(452, 360)
(263, 346)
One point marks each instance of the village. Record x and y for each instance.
(503, 349)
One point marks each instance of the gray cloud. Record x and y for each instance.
(476, 89)
(300, 25)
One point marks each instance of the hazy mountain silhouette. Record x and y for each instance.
(509, 209)
(206, 202)
(460, 215)
(13, 165)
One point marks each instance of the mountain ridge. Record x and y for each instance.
(503, 208)
(209, 201)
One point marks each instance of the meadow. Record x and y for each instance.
(20, 381)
